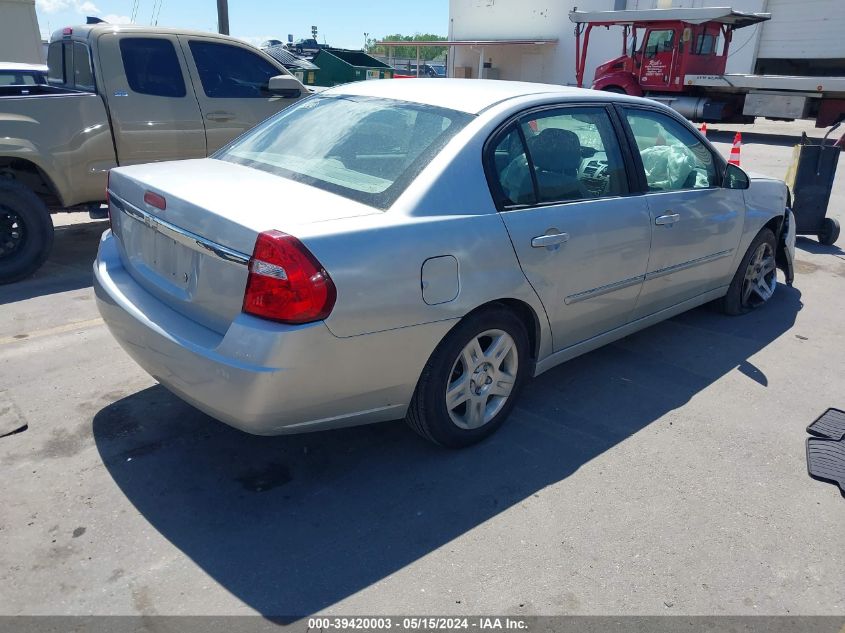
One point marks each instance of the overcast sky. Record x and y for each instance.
(341, 22)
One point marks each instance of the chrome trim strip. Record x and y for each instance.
(690, 264)
(603, 290)
(184, 237)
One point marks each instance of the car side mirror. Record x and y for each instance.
(286, 86)
(735, 178)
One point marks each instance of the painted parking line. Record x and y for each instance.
(51, 331)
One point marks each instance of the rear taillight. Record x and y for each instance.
(286, 282)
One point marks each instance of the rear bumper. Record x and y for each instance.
(262, 377)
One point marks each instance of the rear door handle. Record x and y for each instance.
(220, 115)
(542, 241)
(669, 218)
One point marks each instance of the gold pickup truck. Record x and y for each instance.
(120, 95)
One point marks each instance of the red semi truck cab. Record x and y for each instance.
(660, 48)
(662, 54)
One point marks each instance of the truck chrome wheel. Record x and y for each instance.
(12, 232)
(482, 379)
(760, 277)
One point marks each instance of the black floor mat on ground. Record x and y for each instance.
(830, 424)
(826, 451)
(826, 461)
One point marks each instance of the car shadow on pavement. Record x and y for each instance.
(69, 266)
(291, 525)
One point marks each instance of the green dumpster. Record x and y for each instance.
(341, 66)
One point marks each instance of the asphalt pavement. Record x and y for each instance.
(663, 474)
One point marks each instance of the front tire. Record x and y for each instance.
(26, 232)
(471, 382)
(755, 280)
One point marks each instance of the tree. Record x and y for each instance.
(427, 53)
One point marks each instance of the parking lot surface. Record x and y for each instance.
(663, 474)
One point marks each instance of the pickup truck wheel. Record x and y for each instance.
(756, 278)
(26, 232)
(472, 380)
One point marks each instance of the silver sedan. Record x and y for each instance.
(419, 249)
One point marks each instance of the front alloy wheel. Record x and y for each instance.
(760, 277)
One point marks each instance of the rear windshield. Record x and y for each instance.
(363, 148)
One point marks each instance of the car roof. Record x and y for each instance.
(90, 31)
(20, 66)
(472, 96)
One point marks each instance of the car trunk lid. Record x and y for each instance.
(192, 254)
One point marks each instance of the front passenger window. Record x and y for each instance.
(231, 72)
(673, 158)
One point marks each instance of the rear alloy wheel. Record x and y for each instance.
(26, 231)
(755, 280)
(472, 380)
(482, 379)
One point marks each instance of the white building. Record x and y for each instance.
(20, 39)
(533, 40)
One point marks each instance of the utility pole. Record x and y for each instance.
(223, 16)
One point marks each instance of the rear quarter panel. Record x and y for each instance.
(67, 136)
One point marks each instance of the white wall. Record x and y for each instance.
(528, 19)
(809, 29)
(20, 39)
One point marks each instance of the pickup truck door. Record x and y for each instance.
(154, 114)
(231, 87)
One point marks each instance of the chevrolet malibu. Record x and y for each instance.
(419, 249)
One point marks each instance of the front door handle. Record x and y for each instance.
(220, 115)
(541, 241)
(669, 218)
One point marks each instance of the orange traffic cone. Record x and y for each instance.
(703, 129)
(734, 158)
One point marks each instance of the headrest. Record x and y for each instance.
(555, 150)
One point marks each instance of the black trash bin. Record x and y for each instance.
(811, 181)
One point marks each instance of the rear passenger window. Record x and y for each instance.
(568, 154)
(83, 75)
(575, 154)
(673, 158)
(69, 66)
(512, 171)
(152, 67)
(231, 72)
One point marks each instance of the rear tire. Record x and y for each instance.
(26, 232)
(471, 382)
(830, 232)
(755, 280)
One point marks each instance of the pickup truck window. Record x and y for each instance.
(152, 67)
(69, 66)
(231, 72)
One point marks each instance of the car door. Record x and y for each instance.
(696, 223)
(154, 114)
(233, 87)
(582, 241)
